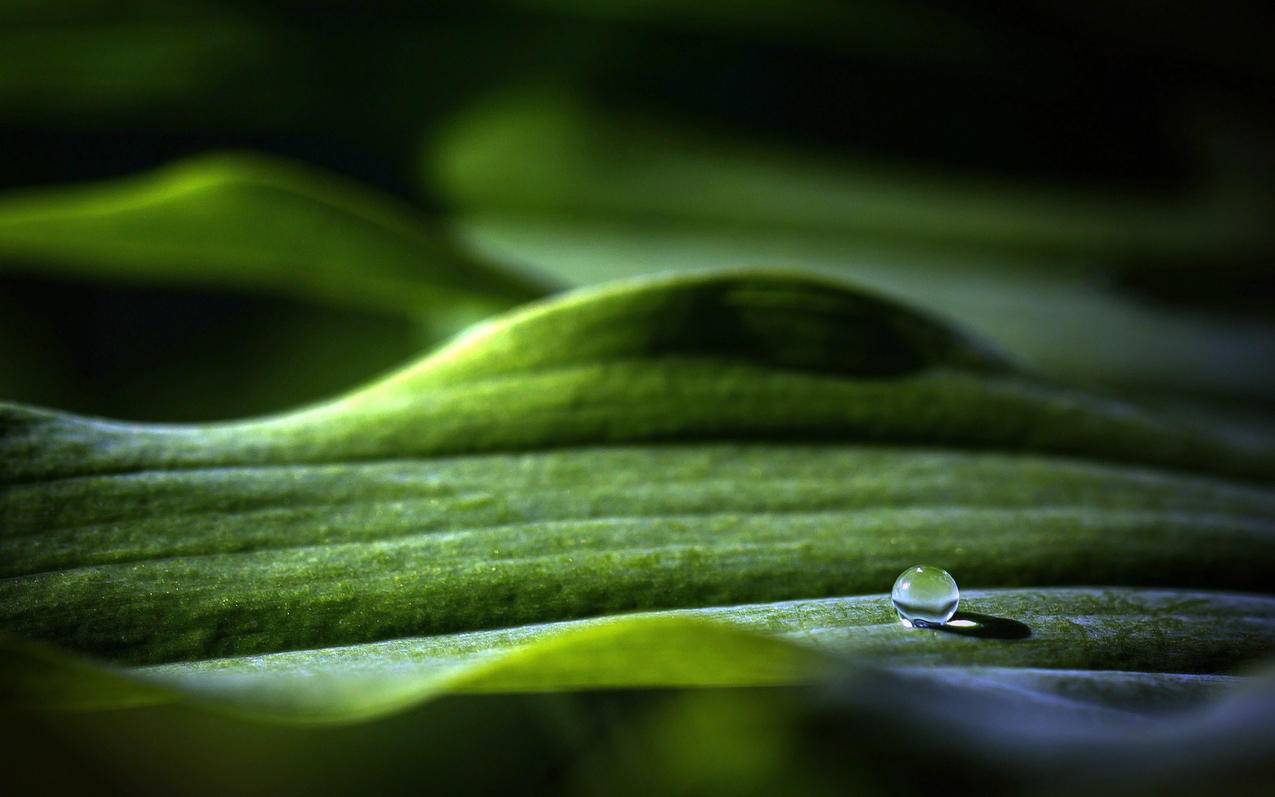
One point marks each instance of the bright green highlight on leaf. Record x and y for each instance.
(550, 151)
(740, 447)
(758, 644)
(254, 222)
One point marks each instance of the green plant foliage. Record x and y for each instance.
(546, 152)
(1058, 277)
(289, 282)
(1071, 630)
(540, 396)
(254, 223)
(679, 443)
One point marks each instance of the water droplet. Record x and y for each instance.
(925, 595)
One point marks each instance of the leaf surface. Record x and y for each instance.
(724, 439)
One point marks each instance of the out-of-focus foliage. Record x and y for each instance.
(260, 226)
(1052, 275)
(357, 282)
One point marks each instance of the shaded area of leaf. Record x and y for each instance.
(1039, 271)
(945, 726)
(364, 282)
(169, 352)
(253, 222)
(985, 626)
(915, 733)
(544, 152)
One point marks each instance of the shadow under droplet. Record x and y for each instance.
(984, 626)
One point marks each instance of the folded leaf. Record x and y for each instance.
(1073, 631)
(290, 283)
(1174, 632)
(253, 222)
(543, 152)
(737, 356)
(636, 447)
(1078, 284)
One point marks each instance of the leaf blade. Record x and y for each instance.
(252, 553)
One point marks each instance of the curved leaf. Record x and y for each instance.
(587, 196)
(747, 355)
(1073, 632)
(256, 222)
(552, 152)
(1173, 632)
(485, 488)
(290, 282)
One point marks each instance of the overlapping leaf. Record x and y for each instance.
(253, 223)
(678, 444)
(286, 281)
(1058, 277)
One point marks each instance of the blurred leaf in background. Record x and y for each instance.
(298, 283)
(908, 147)
(589, 198)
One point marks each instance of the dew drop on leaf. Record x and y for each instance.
(925, 595)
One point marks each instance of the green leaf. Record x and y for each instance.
(896, 733)
(551, 152)
(1175, 632)
(679, 443)
(1080, 284)
(253, 222)
(306, 284)
(1073, 631)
